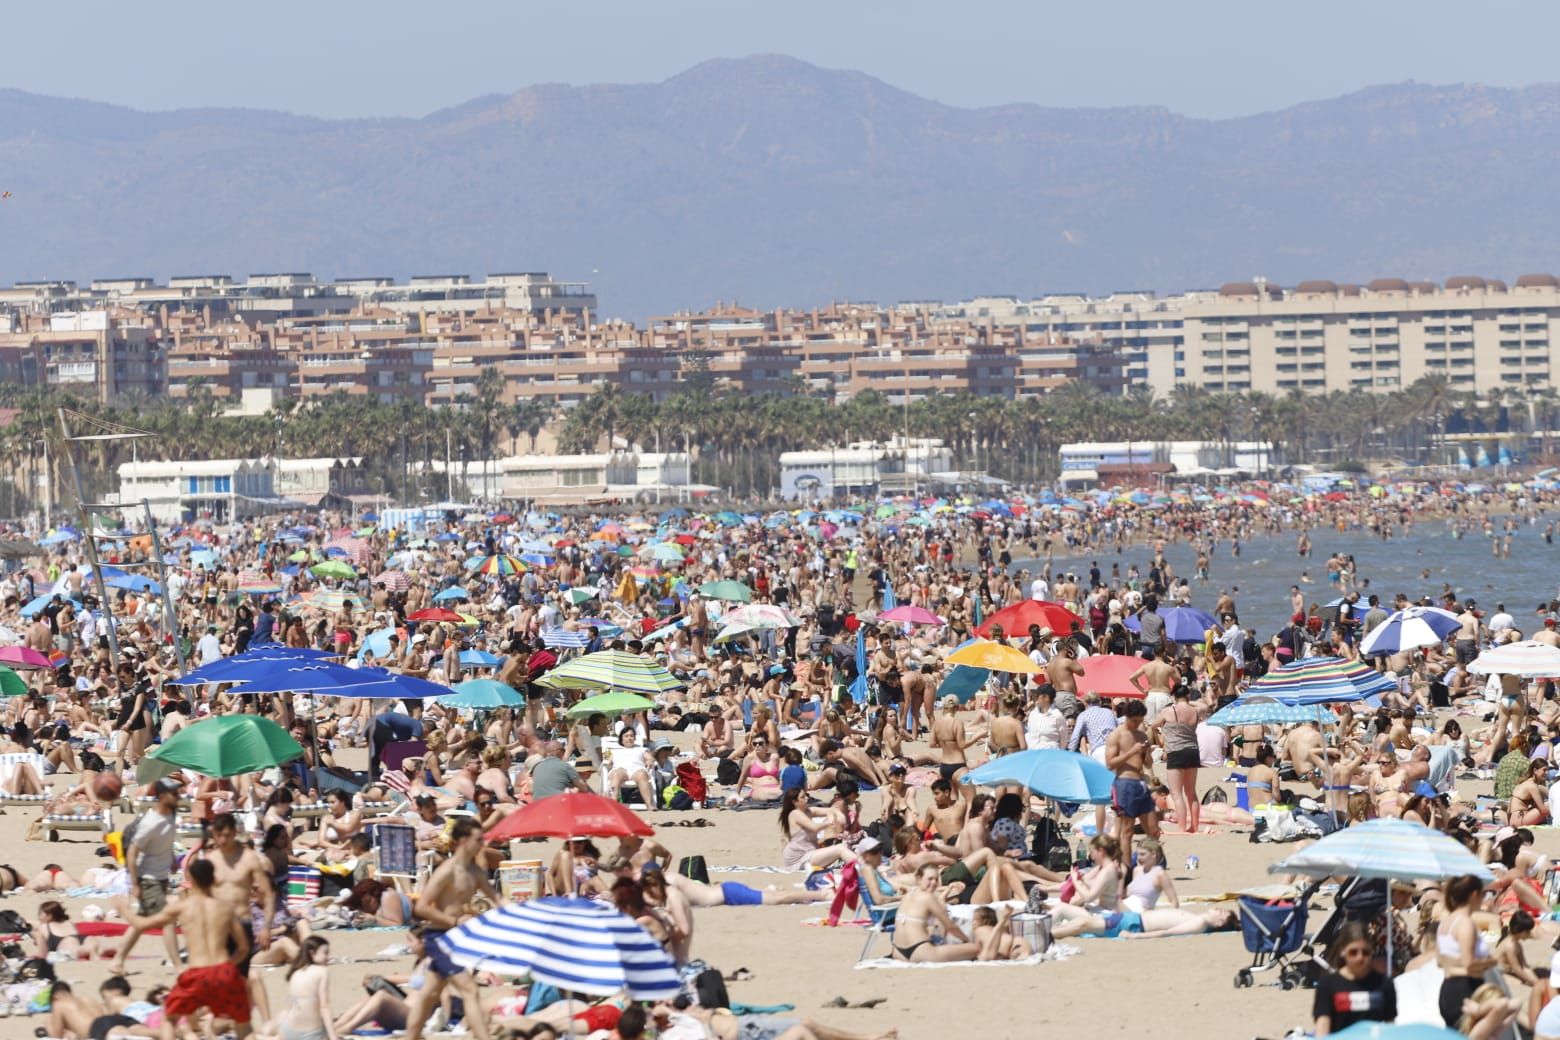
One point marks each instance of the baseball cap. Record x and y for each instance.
(868, 844)
(167, 785)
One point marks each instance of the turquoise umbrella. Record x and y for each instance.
(485, 693)
(1051, 773)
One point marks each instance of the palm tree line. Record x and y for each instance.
(736, 438)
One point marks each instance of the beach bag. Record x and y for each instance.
(709, 989)
(1049, 848)
(694, 867)
(13, 923)
(690, 779)
(674, 797)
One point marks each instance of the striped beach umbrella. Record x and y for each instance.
(1391, 848)
(612, 670)
(1528, 658)
(1410, 629)
(333, 600)
(393, 581)
(256, 583)
(566, 638)
(1264, 711)
(501, 564)
(1321, 680)
(574, 944)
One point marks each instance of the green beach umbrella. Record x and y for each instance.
(611, 670)
(726, 589)
(484, 693)
(11, 684)
(224, 745)
(614, 703)
(333, 569)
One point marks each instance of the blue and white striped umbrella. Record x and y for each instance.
(1264, 711)
(563, 638)
(1386, 848)
(1409, 629)
(574, 944)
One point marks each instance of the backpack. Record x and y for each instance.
(709, 989)
(695, 868)
(727, 770)
(1049, 847)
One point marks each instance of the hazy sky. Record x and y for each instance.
(409, 57)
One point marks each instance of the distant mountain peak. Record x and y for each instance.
(778, 182)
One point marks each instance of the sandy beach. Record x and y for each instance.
(1111, 987)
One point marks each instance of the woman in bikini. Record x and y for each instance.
(915, 938)
(1176, 728)
(1529, 806)
(760, 773)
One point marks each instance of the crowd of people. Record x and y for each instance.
(793, 695)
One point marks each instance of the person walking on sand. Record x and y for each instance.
(149, 863)
(1126, 755)
(216, 944)
(442, 906)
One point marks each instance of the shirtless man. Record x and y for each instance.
(1467, 639)
(1126, 755)
(443, 906)
(70, 1015)
(947, 811)
(243, 881)
(698, 624)
(216, 944)
(1223, 677)
(920, 694)
(1063, 669)
(1156, 676)
(1304, 751)
(1548, 634)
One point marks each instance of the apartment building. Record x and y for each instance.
(1319, 336)
(103, 354)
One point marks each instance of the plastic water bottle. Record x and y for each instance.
(1081, 854)
(1192, 863)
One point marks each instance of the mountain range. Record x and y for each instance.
(771, 182)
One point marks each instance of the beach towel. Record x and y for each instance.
(1057, 952)
(303, 888)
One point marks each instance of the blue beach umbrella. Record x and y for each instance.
(1409, 629)
(453, 594)
(1263, 711)
(1182, 624)
(1390, 848)
(1051, 773)
(478, 659)
(485, 693)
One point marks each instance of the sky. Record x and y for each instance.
(336, 58)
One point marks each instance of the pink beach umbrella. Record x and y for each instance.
(911, 616)
(23, 657)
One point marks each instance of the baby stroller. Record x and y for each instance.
(1274, 934)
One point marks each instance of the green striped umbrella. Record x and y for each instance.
(614, 703)
(611, 670)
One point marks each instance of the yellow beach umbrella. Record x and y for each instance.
(998, 657)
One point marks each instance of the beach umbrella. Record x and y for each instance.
(578, 945)
(1015, 620)
(393, 581)
(224, 669)
(1529, 659)
(726, 589)
(485, 693)
(1321, 680)
(566, 638)
(613, 703)
(11, 684)
(570, 814)
(612, 670)
(478, 659)
(225, 745)
(377, 643)
(1390, 848)
(1182, 624)
(257, 583)
(1051, 773)
(24, 657)
(1409, 629)
(435, 614)
(355, 549)
(334, 600)
(760, 615)
(333, 569)
(1109, 675)
(1264, 711)
(996, 657)
(665, 552)
(1404, 1031)
(911, 615)
(453, 594)
(500, 564)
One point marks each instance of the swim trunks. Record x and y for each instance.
(218, 988)
(737, 894)
(439, 955)
(1131, 798)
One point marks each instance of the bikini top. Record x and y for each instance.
(1446, 945)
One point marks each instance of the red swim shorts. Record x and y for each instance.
(218, 988)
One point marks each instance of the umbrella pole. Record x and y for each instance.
(314, 731)
(1390, 930)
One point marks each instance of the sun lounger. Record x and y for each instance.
(56, 823)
